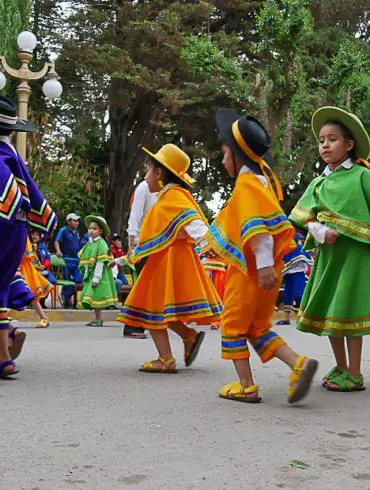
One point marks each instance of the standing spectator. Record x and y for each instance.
(142, 202)
(67, 245)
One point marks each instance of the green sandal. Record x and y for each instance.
(346, 383)
(95, 323)
(333, 373)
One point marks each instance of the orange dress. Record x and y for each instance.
(37, 283)
(173, 285)
(252, 210)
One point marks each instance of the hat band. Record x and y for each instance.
(262, 163)
(8, 119)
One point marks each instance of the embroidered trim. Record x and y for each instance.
(301, 215)
(194, 309)
(226, 247)
(10, 199)
(165, 237)
(352, 228)
(271, 224)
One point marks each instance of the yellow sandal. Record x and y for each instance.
(165, 369)
(43, 323)
(301, 378)
(235, 391)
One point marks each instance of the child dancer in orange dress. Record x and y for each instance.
(38, 284)
(173, 287)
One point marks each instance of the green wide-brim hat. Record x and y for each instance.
(100, 220)
(350, 121)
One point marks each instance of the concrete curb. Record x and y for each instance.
(84, 315)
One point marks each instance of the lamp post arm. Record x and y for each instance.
(11, 71)
(36, 75)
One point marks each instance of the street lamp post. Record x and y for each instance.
(52, 88)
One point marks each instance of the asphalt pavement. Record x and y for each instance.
(81, 416)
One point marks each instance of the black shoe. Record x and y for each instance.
(134, 333)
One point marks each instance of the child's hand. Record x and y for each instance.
(111, 264)
(95, 284)
(267, 278)
(331, 237)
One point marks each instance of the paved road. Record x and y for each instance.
(81, 416)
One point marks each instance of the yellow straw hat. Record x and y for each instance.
(350, 121)
(175, 160)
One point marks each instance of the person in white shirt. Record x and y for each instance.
(142, 202)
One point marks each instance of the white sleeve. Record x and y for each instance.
(263, 180)
(196, 229)
(98, 272)
(318, 231)
(263, 248)
(137, 211)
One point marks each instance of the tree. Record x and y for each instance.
(149, 72)
(14, 17)
(139, 55)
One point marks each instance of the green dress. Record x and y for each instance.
(104, 294)
(336, 301)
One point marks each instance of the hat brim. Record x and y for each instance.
(225, 119)
(183, 178)
(20, 126)
(89, 219)
(329, 113)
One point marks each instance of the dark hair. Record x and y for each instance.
(347, 135)
(5, 132)
(168, 176)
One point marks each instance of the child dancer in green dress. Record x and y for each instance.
(99, 290)
(336, 211)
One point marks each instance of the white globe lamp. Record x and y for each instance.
(26, 41)
(52, 88)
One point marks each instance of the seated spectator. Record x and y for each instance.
(117, 251)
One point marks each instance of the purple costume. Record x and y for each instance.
(21, 203)
(20, 294)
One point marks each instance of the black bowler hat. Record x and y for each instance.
(9, 119)
(250, 133)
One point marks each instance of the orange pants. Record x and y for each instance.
(247, 314)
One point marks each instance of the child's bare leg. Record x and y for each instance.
(97, 315)
(243, 368)
(40, 312)
(286, 316)
(339, 350)
(4, 346)
(287, 355)
(354, 346)
(162, 343)
(182, 330)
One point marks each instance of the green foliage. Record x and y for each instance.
(284, 22)
(70, 187)
(204, 55)
(14, 17)
(156, 71)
